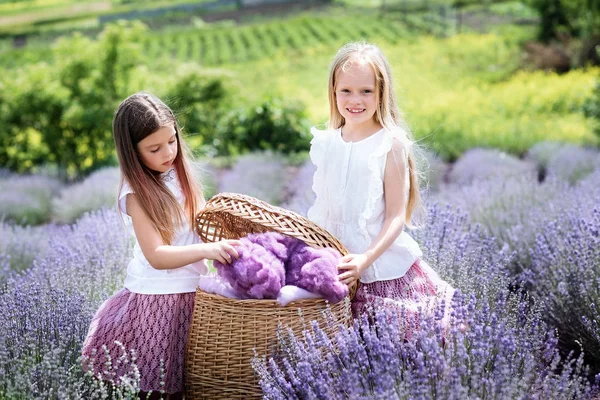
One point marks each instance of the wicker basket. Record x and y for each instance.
(225, 332)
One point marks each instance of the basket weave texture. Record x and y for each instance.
(225, 333)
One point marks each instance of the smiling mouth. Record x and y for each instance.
(355, 110)
(168, 163)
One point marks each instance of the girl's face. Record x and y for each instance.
(355, 95)
(158, 150)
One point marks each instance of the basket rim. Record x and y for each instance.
(253, 201)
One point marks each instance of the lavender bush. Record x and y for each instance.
(512, 211)
(563, 161)
(541, 153)
(42, 333)
(89, 257)
(477, 164)
(564, 275)
(462, 253)
(299, 196)
(99, 190)
(489, 353)
(499, 344)
(27, 199)
(262, 175)
(20, 245)
(47, 310)
(572, 163)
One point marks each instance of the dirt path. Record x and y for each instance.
(59, 12)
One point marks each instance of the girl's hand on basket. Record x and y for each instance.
(353, 265)
(223, 251)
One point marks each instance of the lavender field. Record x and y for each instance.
(519, 238)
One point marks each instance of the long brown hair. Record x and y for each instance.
(137, 117)
(388, 113)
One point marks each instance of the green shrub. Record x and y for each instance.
(272, 125)
(199, 97)
(577, 17)
(61, 114)
(591, 107)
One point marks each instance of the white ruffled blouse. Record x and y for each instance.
(141, 276)
(350, 204)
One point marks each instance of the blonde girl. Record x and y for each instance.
(367, 186)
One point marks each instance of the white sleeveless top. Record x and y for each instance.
(141, 276)
(350, 204)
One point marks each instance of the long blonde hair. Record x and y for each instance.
(137, 117)
(388, 113)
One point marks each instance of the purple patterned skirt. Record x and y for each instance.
(154, 326)
(419, 290)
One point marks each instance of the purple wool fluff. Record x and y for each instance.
(258, 273)
(282, 246)
(316, 270)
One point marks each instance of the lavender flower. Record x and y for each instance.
(27, 199)
(99, 190)
(564, 276)
(572, 163)
(477, 164)
(541, 153)
(48, 307)
(299, 196)
(20, 245)
(462, 253)
(564, 161)
(511, 210)
(499, 353)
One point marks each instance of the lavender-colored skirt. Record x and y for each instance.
(419, 290)
(155, 327)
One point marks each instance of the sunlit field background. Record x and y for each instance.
(502, 97)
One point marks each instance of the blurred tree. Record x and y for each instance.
(62, 113)
(579, 18)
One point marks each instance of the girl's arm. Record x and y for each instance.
(395, 196)
(162, 256)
